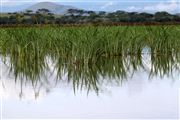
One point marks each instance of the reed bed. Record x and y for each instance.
(90, 43)
(89, 53)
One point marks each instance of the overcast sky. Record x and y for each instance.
(172, 6)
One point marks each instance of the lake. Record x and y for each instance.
(128, 87)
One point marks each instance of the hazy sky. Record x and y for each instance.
(172, 6)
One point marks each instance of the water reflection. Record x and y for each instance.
(41, 71)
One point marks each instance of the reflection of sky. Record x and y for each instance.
(104, 5)
(156, 99)
(138, 97)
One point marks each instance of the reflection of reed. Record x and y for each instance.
(31, 68)
(164, 64)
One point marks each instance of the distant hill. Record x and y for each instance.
(53, 7)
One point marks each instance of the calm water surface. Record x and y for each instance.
(144, 87)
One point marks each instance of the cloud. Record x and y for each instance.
(108, 4)
(171, 6)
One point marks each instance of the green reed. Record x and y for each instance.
(88, 54)
(89, 43)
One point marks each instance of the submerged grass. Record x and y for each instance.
(86, 53)
(87, 44)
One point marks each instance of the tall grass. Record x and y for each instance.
(88, 53)
(84, 43)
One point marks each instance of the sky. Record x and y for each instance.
(172, 6)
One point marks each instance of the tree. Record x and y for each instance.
(28, 12)
(162, 16)
(42, 16)
(34, 18)
(176, 18)
(146, 17)
(43, 11)
(4, 20)
(12, 19)
(19, 17)
(75, 12)
(102, 13)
